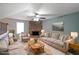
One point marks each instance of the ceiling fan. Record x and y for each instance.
(38, 17)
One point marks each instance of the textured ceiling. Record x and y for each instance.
(25, 11)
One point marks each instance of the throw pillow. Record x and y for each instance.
(61, 37)
(55, 35)
(64, 38)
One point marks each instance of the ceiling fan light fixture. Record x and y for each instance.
(36, 19)
(37, 15)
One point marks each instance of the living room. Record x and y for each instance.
(39, 29)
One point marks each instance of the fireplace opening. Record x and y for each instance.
(36, 33)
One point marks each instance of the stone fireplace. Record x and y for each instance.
(35, 28)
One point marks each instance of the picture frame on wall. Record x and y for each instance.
(58, 26)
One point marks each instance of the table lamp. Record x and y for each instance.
(74, 35)
(10, 35)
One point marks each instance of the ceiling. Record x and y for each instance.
(25, 11)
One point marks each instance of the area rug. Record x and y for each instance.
(20, 48)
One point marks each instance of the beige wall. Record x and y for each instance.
(12, 24)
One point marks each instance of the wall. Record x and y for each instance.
(71, 23)
(47, 24)
(3, 27)
(12, 24)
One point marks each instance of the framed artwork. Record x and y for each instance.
(58, 26)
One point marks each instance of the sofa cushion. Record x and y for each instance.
(55, 35)
(59, 42)
(49, 34)
(53, 39)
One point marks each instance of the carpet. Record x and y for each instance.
(20, 48)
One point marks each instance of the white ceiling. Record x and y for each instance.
(24, 11)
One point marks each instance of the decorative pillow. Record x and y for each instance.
(55, 35)
(64, 38)
(49, 34)
(61, 37)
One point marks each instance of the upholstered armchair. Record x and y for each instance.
(24, 37)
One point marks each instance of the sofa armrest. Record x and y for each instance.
(66, 43)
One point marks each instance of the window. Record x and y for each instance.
(20, 27)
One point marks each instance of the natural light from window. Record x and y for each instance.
(20, 27)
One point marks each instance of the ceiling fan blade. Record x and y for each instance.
(47, 14)
(42, 18)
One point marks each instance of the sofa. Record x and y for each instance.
(4, 44)
(57, 39)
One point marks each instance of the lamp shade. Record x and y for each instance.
(74, 34)
(42, 31)
(10, 34)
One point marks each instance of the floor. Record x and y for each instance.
(20, 48)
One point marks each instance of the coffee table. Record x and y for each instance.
(37, 48)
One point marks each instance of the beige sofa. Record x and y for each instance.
(57, 40)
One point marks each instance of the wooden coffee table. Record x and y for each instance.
(37, 48)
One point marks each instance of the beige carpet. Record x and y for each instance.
(20, 48)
